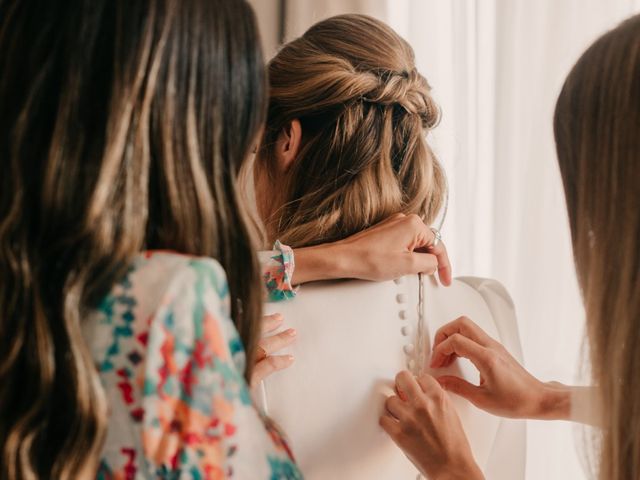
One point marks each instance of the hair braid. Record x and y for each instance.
(365, 112)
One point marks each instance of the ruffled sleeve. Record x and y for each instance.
(277, 270)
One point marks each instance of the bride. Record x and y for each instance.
(345, 147)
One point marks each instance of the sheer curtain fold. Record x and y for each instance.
(496, 67)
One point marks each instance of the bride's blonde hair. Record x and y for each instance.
(365, 112)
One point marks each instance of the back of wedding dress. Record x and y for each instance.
(353, 337)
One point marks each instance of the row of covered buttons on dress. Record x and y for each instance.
(406, 329)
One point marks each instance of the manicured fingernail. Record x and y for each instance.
(291, 332)
(289, 358)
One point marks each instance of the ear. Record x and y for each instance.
(288, 144)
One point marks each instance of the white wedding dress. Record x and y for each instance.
(353, 337)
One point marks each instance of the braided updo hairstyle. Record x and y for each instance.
(365, 112)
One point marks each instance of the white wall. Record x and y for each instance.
(267, 12)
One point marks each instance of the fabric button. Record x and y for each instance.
(401, 298)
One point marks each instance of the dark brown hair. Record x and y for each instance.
(597, 130)
(124, 127)
(365, 112)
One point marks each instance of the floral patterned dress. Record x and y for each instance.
(172, 364)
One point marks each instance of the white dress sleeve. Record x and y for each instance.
(511, 437)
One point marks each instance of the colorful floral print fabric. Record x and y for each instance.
(172, 364)
(277, 270)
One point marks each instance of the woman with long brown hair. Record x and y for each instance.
(124, 130)
(597, 125)
(112, 144)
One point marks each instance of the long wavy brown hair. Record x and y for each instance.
(123, 127)
(597, 129)
(365, 112)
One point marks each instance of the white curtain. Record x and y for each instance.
(496, 67)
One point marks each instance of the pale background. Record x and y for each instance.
(496, 67)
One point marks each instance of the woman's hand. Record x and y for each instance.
(422, 421)
(266, 362)
(506, 388)
(400, 245)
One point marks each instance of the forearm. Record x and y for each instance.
(284, 268)
(321, 262)
(555, 402)
(564, 402)
(472, 472)
(385, 251)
